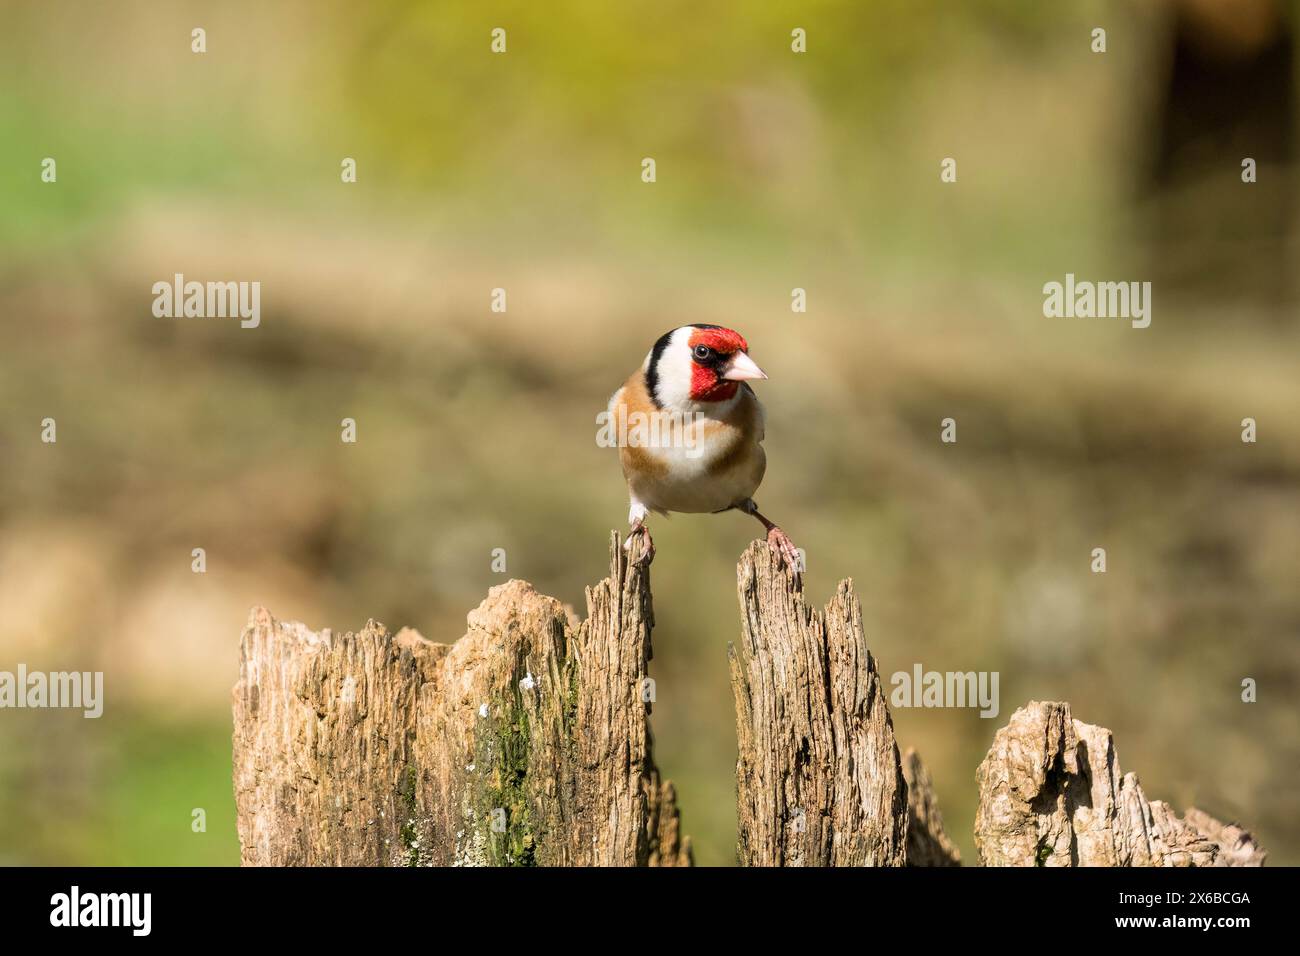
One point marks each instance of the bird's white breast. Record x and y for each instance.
(693, 477)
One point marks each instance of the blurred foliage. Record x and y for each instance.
(476, 430)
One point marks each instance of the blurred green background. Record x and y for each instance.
(476, 430)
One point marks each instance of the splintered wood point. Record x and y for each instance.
(526, 742)
(818, 777)
(1051, 793)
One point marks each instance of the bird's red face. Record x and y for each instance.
(719, 363)
(698, 363)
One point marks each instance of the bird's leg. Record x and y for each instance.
(637, 519)
(639, 528)
(777, 539)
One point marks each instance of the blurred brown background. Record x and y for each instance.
(476, 430)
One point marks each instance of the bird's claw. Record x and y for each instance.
(640, 530)
(780, 542)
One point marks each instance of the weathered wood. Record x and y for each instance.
(818, 777)
(1052, 794)
(526, 742)
(927, 841)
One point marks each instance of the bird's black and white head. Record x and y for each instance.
(698, 364)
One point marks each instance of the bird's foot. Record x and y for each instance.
(780, 542)
(639, 529)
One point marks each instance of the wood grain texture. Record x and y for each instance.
(526, 742)
(818, 776)
(1051, 793)
(927, 841)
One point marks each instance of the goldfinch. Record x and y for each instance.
(690, 431)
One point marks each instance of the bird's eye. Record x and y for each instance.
(703, 353)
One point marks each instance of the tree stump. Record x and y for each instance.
(818, 777)
(1052, 794)
(524, 743)
(527, 742)
(927, 842)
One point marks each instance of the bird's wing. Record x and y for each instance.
(627, 406)
(615, 400)
(759, 421)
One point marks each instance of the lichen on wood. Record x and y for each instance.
(526, 742)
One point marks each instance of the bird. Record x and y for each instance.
(690, 432)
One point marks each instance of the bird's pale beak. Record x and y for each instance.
(742, 367)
